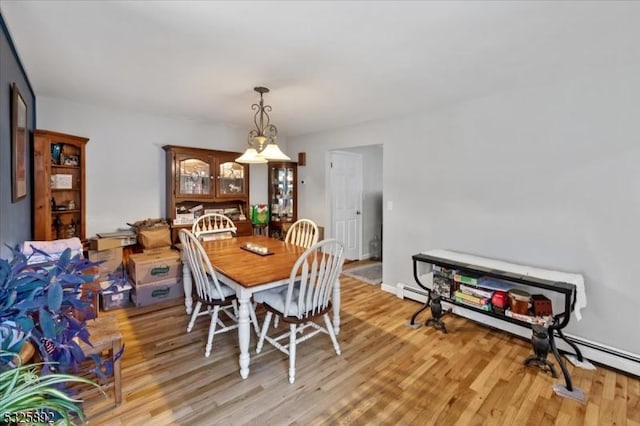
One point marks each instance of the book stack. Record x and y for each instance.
(466, 278)
(470, 294)
(483, 303)
(487, 294)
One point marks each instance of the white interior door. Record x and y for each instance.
(346, 201)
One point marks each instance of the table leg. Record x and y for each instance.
(244, 335)
(336, 307)
(187, 284)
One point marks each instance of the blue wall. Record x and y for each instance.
(15, 218)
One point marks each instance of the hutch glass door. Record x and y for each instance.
(231, 179)
(282, 190)
(194, 176)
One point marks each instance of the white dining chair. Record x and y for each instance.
(210, 292)
(306, 298)
(213, 226)
(303, 233)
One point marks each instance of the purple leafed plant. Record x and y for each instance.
(47, 304)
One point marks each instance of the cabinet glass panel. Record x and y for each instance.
(231, 178)
(194, 177)
(282, 186)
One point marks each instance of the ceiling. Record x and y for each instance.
(328, 64)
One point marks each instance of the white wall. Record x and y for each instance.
(545, 176)
(125, 169)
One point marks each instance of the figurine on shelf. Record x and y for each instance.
(57, 226)
(71, 229)
(56, 150)
(71, 160)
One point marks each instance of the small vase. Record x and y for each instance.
(56, 150)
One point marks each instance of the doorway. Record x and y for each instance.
(355, 195)
(345, 176)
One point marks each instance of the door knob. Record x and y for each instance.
(357, 211)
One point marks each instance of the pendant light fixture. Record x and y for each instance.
(262, 139)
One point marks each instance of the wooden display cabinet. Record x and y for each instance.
(59, 185)
(283, 197)
(208, 178)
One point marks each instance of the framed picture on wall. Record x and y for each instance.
(19, 145)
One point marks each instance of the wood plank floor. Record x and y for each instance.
(388, 374)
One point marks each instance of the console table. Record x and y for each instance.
(570, 287)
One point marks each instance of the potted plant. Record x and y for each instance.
(27, 397)
(40, 304)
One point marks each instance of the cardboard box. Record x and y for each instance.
(107, 243)
(119, 297)
(158, 250)
(155, 237)
(159, 291)
(112, 260)
(153, 266)
(61, 181)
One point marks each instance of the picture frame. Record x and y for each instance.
(19, 145)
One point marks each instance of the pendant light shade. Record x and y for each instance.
(251, 156)
(273, 152)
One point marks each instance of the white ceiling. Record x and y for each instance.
(328, 64)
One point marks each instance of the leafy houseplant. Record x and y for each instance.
(44, 304)
(26, 397)
(39, 303)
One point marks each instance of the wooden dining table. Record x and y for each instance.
(248, 273)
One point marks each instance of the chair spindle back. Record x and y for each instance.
(212, 225)
(313, 276)
(200, 265)
(303, 233)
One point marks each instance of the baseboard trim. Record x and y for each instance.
(594, 351)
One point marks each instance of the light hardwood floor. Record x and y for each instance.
(388, 374)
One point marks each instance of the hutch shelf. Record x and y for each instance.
(59, 185)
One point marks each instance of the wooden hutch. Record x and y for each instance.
(59, 186)
(201, 181)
